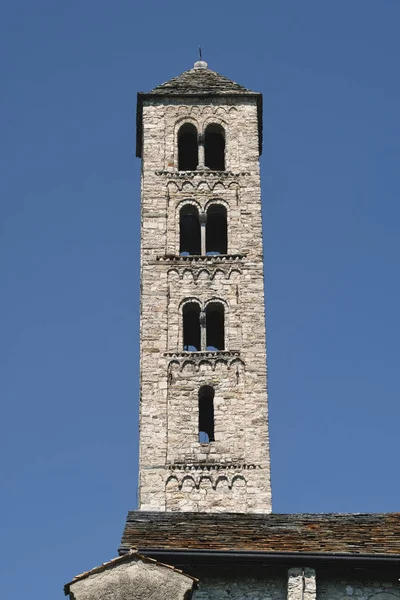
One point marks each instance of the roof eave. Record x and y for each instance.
(182, 556)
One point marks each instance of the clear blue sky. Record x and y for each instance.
(69, 257)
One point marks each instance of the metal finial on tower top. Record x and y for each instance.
(200, 64)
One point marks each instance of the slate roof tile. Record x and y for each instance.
(200, 81)
(356, 534)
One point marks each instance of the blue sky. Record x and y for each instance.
(69, 257)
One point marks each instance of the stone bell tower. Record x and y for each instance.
(204, 443)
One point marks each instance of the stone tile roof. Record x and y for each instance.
(200, 81)
(353, 534)
(127, 557)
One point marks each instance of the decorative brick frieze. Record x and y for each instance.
(211, 466)
(203, 360)
(205, 173)
(198, 259)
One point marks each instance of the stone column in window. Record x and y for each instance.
(200, 140)
(203, 330)
(203, 223)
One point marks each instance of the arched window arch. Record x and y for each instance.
(214, 147)
(215, 326)
(206, 414)
(187, 148)
(217, 230)
(191, 327)
(189, 230)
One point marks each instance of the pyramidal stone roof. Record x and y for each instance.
(200, 80)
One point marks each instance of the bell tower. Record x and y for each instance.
(204, 444)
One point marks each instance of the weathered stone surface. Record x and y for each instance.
(335, 588)
(259, 588)
(253, 587)
(306, 585)
(301, 584)
(169, 384)
(134, 579)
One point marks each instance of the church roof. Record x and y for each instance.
(353, 535)
(198, 82)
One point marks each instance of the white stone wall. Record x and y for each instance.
(176, 471)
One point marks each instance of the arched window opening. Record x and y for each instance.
(206, 414)
(189, 228)
(214, 147)
(187, 148)
(217, 230)
(215, 327)
(191, 327)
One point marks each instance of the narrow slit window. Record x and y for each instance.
(187, 148)
(217, 230)
(191, 327)
(214, 147)
(189, 231)
(215, 327)
(206, 414)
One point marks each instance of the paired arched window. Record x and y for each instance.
(213, 140)
(206, 414)
(203, 330)
(217, 230)
(187, 148)
(189, 230)
(214, 147)
(211, 237)
(191, 327)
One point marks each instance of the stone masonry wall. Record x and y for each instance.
(254, 586)
(177, 472)
(298, 584)
(330, 588)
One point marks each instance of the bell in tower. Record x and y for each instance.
(204, 443)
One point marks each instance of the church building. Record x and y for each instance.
(204, 526)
